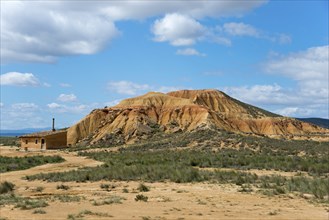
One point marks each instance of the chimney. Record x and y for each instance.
(53, 125)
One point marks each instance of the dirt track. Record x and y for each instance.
(165, 200)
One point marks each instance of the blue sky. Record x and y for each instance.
(64, 58)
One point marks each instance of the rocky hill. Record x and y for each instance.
(140, 117)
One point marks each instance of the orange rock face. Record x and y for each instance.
(184, 110)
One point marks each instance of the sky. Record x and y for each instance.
(63, 59)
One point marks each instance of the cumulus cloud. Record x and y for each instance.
(295, 111)
(283, 101)
(127, 88)
(53, 105)
(309, 68)
(179, 30)
(305, 65)
(53, 29)
(263, 94)
(50, 30)
(189, 52)
(67, 98)
(20, 115)
(183, 30)
(19, 79)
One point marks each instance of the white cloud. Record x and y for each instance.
(295, 111)
(287, 102)
(308, 68)
(67, 98)
(19, 79)
(52, 29)
(305, 65)
(24, 106)
(53, 105)
(128, 88)
(166, 89)
(112, 103)
(179, 30)
(2, 104)
(75, 109)
(131, 88)
(118, 10)
(183, 30)
(189, 52)
(263, 95)
(21, 115)
(240, 29)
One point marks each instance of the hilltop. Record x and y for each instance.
(184, 111)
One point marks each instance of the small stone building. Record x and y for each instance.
(44, 140)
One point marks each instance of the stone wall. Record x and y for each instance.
(31, 143)
(55, 141)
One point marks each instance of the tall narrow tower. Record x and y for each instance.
(53, 125)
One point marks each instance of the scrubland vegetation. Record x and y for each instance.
(21, 163)
(9, 141)
(151, 161)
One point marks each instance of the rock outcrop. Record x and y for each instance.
(184, 110)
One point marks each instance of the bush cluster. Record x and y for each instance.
(21, 163)
(6, 187)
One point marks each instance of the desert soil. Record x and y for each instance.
(166, 200)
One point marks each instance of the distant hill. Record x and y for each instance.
(183, 111)
(322, 122)
(19, 132)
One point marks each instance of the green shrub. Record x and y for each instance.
(39, 189)
(6, 187)
(83, 213)
(39, 211)
(141, 197)
(67, 198)
(63, 187)
(143, 188)
(109, 200)
(26, 204)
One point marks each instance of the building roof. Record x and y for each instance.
(43, 133)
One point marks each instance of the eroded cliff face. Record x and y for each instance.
(182, 111)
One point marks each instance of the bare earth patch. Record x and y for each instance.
(165, 200)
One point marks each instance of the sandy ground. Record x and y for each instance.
(165, 200)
